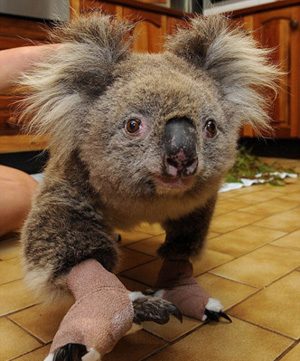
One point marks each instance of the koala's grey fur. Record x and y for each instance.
(99, 178)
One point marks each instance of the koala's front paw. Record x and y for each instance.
(71, 351)
(149, 308)
(74, 352)
(213, 311)
(176, 284)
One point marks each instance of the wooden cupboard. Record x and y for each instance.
(279, 30)
(153, 22)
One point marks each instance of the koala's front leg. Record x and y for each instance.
(185, 238)
(68, 246)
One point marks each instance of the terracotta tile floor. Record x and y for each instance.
(251, 263)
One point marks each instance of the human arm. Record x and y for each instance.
(15, 61)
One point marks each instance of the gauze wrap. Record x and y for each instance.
(181, 288)
(102, 313)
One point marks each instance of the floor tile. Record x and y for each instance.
(228, 292)
(134, 347)
(230, 205)
(292, 241)
(276, 307)
(37, 355)
(230, 221)
(146, 273)
(271, 207)
(226, 195)
(130, 259)
(207, 260)
(293, 354)
(149, 246)
(260, 267)
(285, 221)
(42, 321)
(132, 285)
(154, 229)
(132, 237)
(10, 270)
(15, 296)
(295, 196)
(223, 342)
(10, 248)
(14, 341)
(173, 329)
(257, 197)
(243, 240)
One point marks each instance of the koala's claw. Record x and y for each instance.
(215, 316)
(176, 313)
(70, 352)
(148, 308)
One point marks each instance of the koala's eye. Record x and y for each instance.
(210, 128)
(133, 126)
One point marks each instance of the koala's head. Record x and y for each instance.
(150, 124)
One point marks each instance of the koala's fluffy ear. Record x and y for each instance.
(231, 57)
(70, 77)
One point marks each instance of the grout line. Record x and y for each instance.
(143, 253)
(132, 279)
(261, 288)
(155, 352)
(233, 280)
(26, 353)
(139, 265)
(286, 247)
(170, 343)
(253, 249)
(245, 225)
(20, 310)
(158, 336)
(5, 283)
(264, 328)
(27, 331)
(290, 348)
(274, 229)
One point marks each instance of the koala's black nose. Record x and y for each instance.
(180, 148)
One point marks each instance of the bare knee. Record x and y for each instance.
(17, 191)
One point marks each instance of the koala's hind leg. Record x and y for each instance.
(185, 238)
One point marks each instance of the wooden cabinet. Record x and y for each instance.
(151, 28)
(279, 30)
(152, 23)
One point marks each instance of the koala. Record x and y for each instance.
(138, 138)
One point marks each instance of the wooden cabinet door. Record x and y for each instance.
(150, 30)
(91, 6)
(280, 30)
(174, 23)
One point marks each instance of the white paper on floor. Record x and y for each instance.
(226, 187)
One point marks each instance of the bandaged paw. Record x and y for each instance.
(176, 284)
(102, 313)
